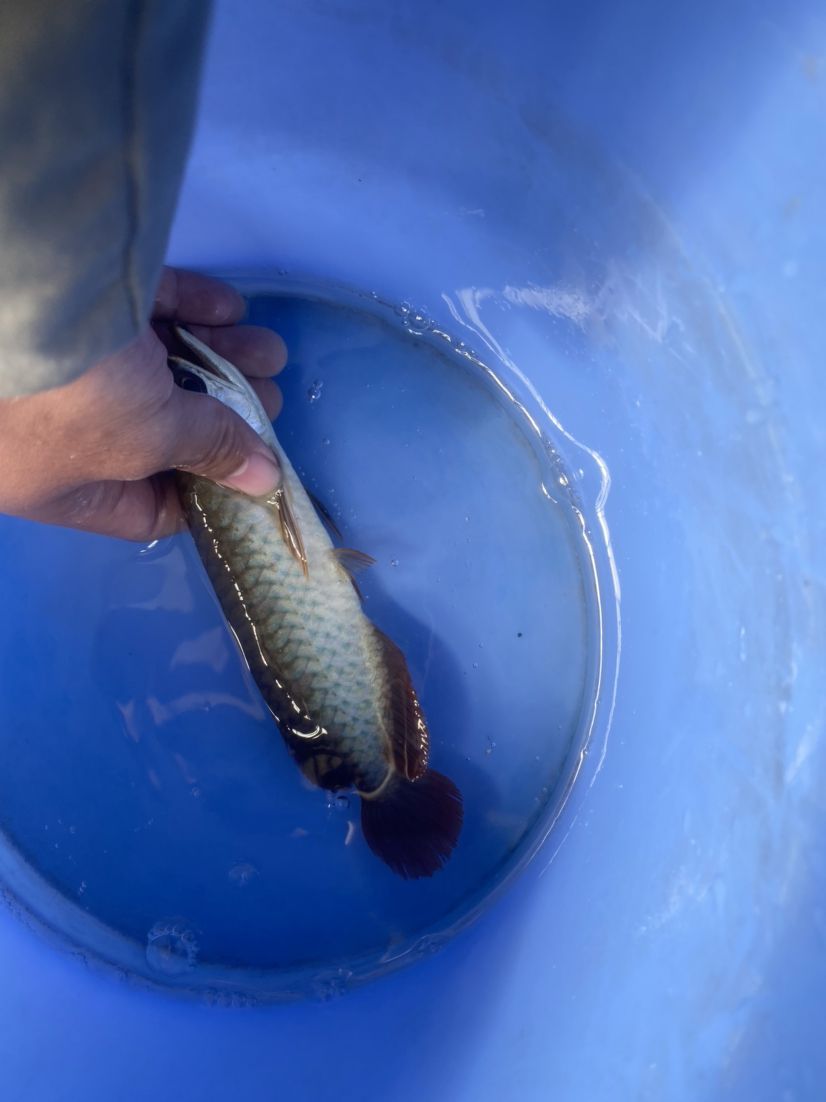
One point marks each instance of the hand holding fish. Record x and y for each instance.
(94, 454)
(191, 395)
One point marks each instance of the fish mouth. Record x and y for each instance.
(205, 372)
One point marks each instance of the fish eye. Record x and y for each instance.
(187, 380)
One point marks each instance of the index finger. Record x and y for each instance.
(253, 349)
(190, 297)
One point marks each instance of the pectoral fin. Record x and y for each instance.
(289, 527)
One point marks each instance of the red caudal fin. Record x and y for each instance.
(413, 826)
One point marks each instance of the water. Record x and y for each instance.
(145, 778)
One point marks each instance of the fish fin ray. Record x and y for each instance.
(407, 728)
(324, 513)
(413, 826)
(290, 530)
(349, 561)
(353, 560)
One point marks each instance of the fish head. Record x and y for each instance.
(211, 374)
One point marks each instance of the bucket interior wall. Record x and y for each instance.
(624, 205)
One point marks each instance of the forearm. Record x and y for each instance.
(97, 102)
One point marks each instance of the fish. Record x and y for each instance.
(338, 687)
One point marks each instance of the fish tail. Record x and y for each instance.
(413, 826)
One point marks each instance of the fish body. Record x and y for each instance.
(338, 688)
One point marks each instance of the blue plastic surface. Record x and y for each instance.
(158, 823)
(626, 205)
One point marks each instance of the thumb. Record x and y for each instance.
(209, 439)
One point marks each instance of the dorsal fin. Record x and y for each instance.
(406, 725)
(324, 513)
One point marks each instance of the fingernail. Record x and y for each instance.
(257, 476)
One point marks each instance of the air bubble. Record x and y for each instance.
(171, 947)
(429, 945)
(230, 1000)
(417, 321)
(332, 984)
(242, 874)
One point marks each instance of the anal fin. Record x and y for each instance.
(353, 560)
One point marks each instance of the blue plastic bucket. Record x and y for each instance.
(623, 209)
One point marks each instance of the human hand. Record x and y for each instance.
(96, 454)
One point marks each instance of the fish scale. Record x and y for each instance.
(307, 634)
